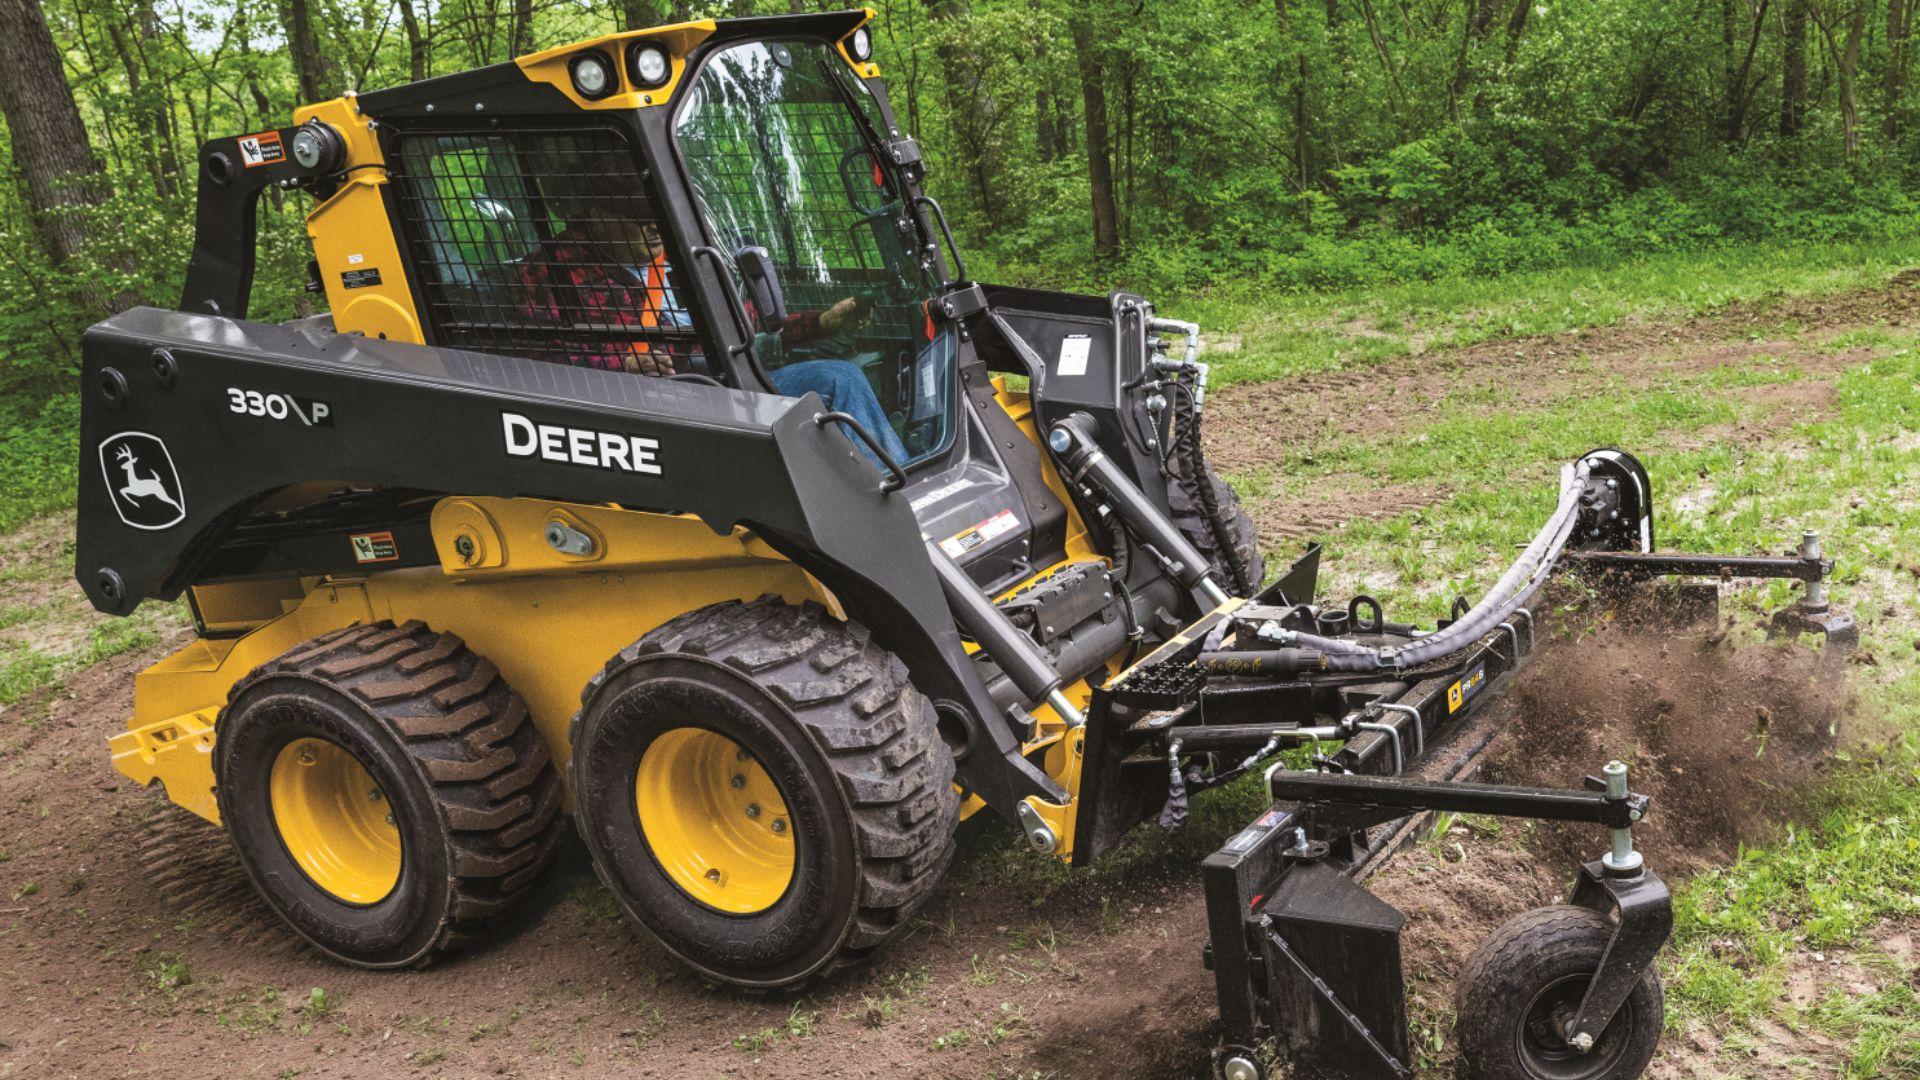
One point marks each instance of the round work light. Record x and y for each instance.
(592, 75)
(860, 45)
(649, 65)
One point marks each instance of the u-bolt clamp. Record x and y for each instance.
(1391, 732)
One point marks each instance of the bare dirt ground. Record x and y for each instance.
(130, 946)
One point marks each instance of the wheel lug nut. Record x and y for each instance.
(389, 819)
(779, 825)
(739, 755)
(738, 781)
(713, 875)
(753, 810)
(374, 795)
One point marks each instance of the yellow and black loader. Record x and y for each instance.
(659, 466)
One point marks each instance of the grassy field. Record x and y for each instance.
(1802, 954)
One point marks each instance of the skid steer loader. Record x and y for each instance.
(660, 466)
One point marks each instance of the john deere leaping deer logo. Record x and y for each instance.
(141, 480)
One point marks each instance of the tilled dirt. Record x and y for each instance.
(1730, 741)
(130, 946)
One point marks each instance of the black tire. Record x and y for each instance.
(1232, 547)
(1516, 990)
(463, 772)
(832, 720)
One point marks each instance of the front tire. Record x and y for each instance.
(1230, 544)
(386, 792)
(1522, 986)
(763, 791)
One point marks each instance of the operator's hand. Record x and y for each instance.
(644, 361)
(846, 316)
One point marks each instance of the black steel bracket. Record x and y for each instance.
(1641, 909)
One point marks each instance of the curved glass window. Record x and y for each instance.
(781, 146)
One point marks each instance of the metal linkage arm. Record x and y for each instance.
(1349, 803)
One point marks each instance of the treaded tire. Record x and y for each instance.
(832, 719)
(1513, 979)
(1190, 514)
(466, 775)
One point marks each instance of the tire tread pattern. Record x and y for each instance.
(473, 741)
(876, 732)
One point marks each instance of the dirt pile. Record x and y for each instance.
(1726, 738)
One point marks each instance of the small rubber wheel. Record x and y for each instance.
(763, 791)
(386, 792)
(1522, 987)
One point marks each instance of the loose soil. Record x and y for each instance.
(129, 946)
(1730, 741)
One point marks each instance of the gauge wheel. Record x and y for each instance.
(1521, 989)
(1227, 540)
(386, 792)
(763, 791)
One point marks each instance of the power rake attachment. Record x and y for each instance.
(658, 465)
(1391, 721)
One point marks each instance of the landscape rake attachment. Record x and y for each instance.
(657, 465)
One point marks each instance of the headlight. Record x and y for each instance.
(860, 44)
(592, 75)
(649, 65)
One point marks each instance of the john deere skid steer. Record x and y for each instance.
(660, 466)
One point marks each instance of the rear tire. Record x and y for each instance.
(386, 792)
(1232, 549)
(1524, 983)
(691, 737)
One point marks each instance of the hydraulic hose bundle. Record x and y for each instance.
(1507, 596)
(1189, 462)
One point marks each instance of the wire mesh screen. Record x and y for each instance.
(541, 244)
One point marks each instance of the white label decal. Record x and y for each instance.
(613, 450)
(1074, 351)
(987, 531)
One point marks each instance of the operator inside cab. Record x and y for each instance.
(612, 270)
(547, 243)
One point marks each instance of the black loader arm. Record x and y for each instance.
(188, 421)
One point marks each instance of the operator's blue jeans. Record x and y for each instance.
(844, 389)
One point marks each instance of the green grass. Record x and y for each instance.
(1281, 334)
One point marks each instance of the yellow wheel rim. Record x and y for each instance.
(715, 821)
(335, 821)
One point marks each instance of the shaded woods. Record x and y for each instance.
(1289, 144)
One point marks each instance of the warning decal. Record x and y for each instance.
(987, 531)
(262, 149)
(374, 547)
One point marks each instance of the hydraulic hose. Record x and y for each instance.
(1524, 578)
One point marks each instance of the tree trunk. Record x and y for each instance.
(1740, 83)
(971, 108)
(1846, 63)
(312, 70)
(1516, 26)
(50, 145)
(1793, 70)
(416, 41)
(1899, 31)
(520, 39)
(1093, 91)
(1283, 21)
